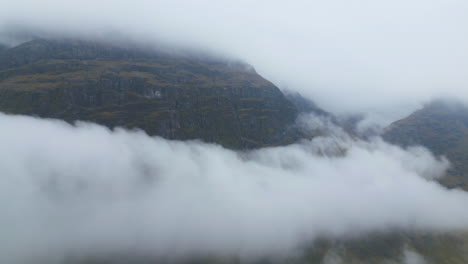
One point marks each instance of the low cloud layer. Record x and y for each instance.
(383, 57)
(86, 190)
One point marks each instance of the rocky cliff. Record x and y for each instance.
(171, 95)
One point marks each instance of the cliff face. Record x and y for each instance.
(174, 96)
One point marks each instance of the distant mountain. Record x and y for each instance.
(172, 95)
(441, 126)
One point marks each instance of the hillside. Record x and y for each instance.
(443, 128)
(171, 95)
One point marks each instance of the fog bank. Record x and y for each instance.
(85, 190)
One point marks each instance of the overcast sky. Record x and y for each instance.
(348, 55)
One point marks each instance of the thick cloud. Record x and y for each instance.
(87, 190)
(384, 57)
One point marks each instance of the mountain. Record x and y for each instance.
(184, 96)
(177, 96)
(442, 127)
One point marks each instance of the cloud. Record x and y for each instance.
(411, 257)
(379, 57)
(85, 190)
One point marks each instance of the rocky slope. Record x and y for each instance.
(442, 127)
(174, 96)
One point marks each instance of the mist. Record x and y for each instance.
(385, 57)
(84, 190)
